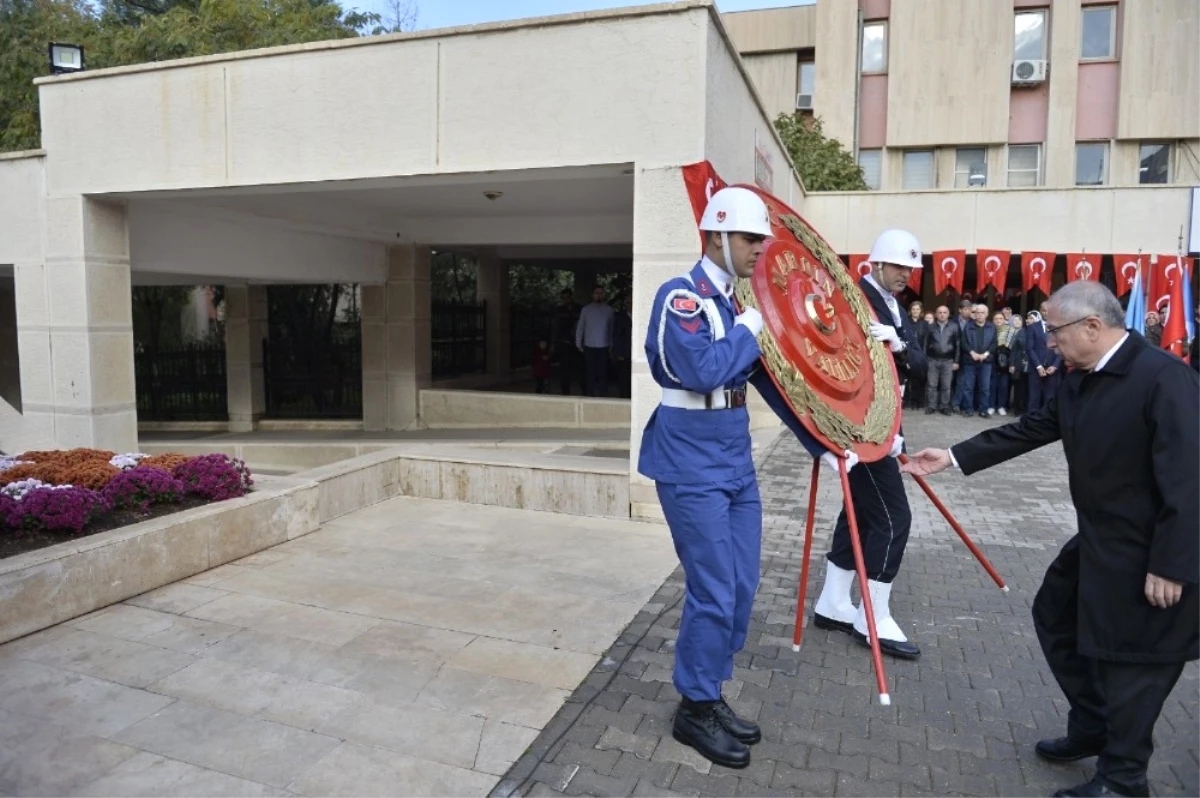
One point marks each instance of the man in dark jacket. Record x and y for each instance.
(978, 355)
(940, 342)
(1044, 362)
(1118, 613)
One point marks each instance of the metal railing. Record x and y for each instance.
(186, 384)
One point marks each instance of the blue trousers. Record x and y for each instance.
(717, 530)
(977, 386)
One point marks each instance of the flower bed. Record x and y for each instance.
(48, 497)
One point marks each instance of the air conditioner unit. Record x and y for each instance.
(803, 102)
(1029, 73)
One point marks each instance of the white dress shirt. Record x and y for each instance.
(892, 304)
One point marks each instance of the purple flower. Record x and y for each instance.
(55, 508)
(214, 476)
(140, 487)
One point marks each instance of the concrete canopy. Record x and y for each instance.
(338, 231)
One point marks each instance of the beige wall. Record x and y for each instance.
(1092, 219)
(305, 113)
(834, 97)
(932, 98)
(1160, 70)
(21, 207)
(793, 28)
(1059, 148)
(774, 75)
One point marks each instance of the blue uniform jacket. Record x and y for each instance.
(1040, 354)
(691, 446)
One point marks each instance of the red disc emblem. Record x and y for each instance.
(840, 382)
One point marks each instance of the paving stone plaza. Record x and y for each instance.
(964, 718)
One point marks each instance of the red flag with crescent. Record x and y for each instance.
(1081, 266)
(1126, 267)
(1174, 335)
(992, 266)
(1162, 275)
(914, 280)
(859, 266)
(1036, 268)
(949, 266)
(702, 182)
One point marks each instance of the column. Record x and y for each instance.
(10, 366)
(246, 321)
(396, 341)
(492, 288)
(75, 330)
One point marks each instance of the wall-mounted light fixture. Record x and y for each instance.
(65, 58)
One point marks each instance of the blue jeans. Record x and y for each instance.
(1000, 390)
(977, 385)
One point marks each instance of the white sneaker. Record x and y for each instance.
(1003, 412)
(991, 411)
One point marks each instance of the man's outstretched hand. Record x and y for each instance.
(926, 462)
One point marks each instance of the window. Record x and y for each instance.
(1099, 32)
(1154, 163)
(871, 161)
(918, 169)
(874, 47)
(1029, 36)
(1091, 163)
(807, 77)
(1024, 165)
(970, 167)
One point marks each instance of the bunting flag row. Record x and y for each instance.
(949, 271)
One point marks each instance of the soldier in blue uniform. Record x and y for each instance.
(696, 447)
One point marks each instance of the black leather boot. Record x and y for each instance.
(698, 726)
(1099, 788)
(743, 730)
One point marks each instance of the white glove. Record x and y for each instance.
(897, 446)
(886, 334)
(751, 319)
(831, 460)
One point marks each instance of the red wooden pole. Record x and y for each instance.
(808, 538)
(864, 589)
(987, 566)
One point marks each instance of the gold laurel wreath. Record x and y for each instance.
(877, 426)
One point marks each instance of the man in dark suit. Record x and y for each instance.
(1118, 613)
(1044, 362)
(880, 504)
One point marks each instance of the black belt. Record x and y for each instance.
(734, 397)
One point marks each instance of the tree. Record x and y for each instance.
(122, 32)
(823, 163)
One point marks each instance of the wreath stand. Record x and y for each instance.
(860, 567)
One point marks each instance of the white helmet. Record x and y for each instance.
(736, 210)
(897, 247)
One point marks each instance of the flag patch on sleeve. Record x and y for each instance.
(684, 305)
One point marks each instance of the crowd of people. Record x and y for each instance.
(982, 363)
(591, 345)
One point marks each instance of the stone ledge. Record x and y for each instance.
(51, 585)
(448, 409)
(523, 480)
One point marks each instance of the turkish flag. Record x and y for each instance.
(1083, 267)
(1174, 336)
(702, 182)
(1162, 274)
(1035, 271)
(914, 280)
(859, 266)
(1126, 267)
(992, 265)
(949, 266)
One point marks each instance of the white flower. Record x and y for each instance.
(18, 489)
(128, 460)
(10, 461)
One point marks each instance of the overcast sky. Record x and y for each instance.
(446, 13)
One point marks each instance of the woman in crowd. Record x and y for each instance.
(1018, 364)
(1004, 366)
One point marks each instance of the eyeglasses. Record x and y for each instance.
(1050, 330)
